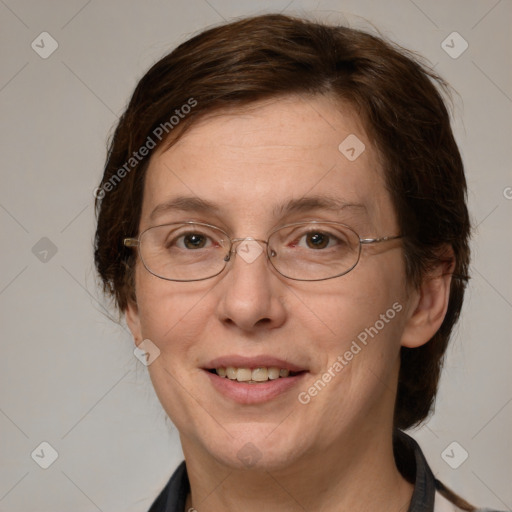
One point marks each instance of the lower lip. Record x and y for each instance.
(245, 393)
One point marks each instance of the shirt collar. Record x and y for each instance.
(414, 467)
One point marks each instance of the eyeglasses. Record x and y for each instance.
(303, 251)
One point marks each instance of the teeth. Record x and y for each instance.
(243, 374)
(273, 373)
(261, 374)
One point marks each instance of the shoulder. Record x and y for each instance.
(429, 493)
(448, 501)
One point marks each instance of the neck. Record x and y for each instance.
(353, 475)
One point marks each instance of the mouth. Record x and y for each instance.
(253, 380)
(254, 375)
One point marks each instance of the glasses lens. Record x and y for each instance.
(184, 252)
(314, 251)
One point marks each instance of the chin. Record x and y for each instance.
(257, 449)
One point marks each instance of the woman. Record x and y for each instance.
(283, 222)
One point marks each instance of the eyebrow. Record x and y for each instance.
(303, 204)
(184, 204)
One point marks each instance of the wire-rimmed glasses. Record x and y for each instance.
(302, 251)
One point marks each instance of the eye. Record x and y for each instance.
(193, 241)
(190, 241)
(317, 240)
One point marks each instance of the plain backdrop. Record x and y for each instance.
(68, 375)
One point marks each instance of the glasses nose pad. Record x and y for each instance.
(249, 249)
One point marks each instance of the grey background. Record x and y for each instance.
(68, 375)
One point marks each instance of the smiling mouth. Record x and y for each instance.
(253, 375)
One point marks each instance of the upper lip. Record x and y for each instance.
(237, 361)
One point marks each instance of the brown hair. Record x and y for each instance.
(397, 98)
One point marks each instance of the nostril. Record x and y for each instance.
(264, 321)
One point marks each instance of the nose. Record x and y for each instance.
(251, 294)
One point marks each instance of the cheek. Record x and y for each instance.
(355, 302)
(365, 310)
(361, 357)
(172, 315)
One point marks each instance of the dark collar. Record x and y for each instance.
(409, 459)
(414, 467)
(174, 495)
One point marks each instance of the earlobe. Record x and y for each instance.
(133, 320)
(431, 305)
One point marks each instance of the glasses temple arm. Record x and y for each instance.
(377, 240)
(130, 242)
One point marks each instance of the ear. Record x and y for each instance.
(133, 320)
(429, 303)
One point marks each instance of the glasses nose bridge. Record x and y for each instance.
(237, 241)
(235, 244)
(245, 239)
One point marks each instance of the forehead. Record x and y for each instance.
(251, 162)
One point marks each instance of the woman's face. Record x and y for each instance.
(253, 171)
